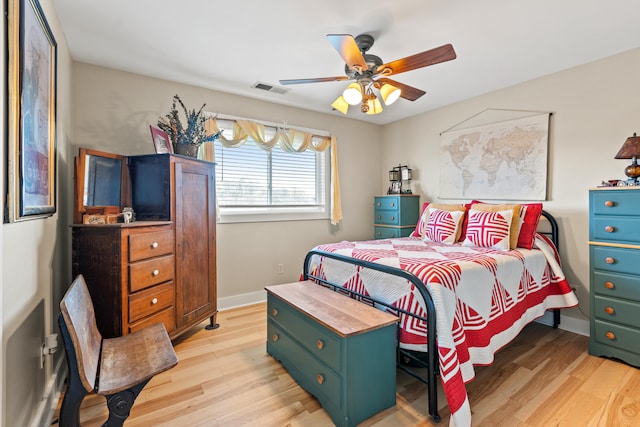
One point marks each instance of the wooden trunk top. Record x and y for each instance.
(339, 313)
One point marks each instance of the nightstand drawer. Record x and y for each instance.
(151, 300)
(151, 272)
(317, 340)
(387, 203)
(616, 285)
(617, 336)
(312, 375)
(619, 260)
(615, 202)
(387, 217)
(148, 245)
(622, 229)
(618, 311)
(391, 233)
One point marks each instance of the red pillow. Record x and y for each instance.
(529, 219)
(421, 221)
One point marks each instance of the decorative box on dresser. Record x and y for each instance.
(614, 234)
(162, 267)
(395, 215)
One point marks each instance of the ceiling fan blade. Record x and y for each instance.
(316, 80)
(347, 47)
(419, 60)
(407, 92)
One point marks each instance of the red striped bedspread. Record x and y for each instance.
(483, 297)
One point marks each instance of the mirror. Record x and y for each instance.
(100, 183)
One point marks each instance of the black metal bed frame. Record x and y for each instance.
(403, 355)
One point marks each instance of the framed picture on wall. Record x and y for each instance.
(31, 113)
(161, 141)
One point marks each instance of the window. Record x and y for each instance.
(257, 185)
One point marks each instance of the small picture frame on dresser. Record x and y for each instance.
(396, 187)
(160, 141)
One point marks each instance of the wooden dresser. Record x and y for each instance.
(614, 234)
(163, 266)
(340, 350)
(395, 215)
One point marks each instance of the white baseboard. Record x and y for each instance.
(227, 303)
(47, 406)
(570, 324)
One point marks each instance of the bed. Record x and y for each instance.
(476, 297)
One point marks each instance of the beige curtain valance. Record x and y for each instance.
(291, 140)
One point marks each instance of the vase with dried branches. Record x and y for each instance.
(186, 140)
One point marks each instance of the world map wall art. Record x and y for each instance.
(498, 161)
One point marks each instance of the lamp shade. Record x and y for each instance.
(353, 94)
(390, 93)
(341, 105)
(630, 148)
(375, 107)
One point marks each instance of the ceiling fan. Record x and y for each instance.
(370, 72)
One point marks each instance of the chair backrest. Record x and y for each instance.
(80, 319)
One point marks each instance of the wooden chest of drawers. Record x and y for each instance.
(338, 349)
(139, 258)
(614, 234)
(395, 215)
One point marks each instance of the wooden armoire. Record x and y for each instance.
(162, 266)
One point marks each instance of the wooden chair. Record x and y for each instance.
(117, 368)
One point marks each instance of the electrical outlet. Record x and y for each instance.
(280, 269)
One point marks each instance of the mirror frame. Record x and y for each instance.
(79, 209)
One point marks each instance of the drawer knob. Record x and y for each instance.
(609, 203)
(610, 335)
(379, 233)
(154, 245)
(379, 216)
(154, 301)
(378, 204)
(609, 229)
(274, 312)
(609, 260)
(320, 344)
(275, 337)
(156, 272)
(609, 285)
(320, 378)
(609, 310)
(392, 204)
(393, 218)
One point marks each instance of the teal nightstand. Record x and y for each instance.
(395, 215)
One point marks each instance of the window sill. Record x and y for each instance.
(230, 215)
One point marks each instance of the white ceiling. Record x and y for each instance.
(229, 45)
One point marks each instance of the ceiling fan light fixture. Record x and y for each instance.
(374, 106)
(389, 93)
(353, 94)
(341, 105)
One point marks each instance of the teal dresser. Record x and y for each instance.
(395, 215)
(338, 349)
(614, 234)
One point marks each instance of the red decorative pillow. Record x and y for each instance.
(489, 229)
(529, 219)
(443, 226)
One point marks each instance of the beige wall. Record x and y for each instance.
(594, 110)
(35, 271)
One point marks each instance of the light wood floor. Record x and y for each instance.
(225, 378)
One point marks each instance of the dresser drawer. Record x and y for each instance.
(391, 233)
(616, 285)
(618, 336)
(151, 300)
(621, 229)
(619, 260)
(618, 311)
(387, 217)
(151, 272)
(615, 202)
(317, 340)
(387, 203)
(148, 245)
(166, 316)
(311, 374)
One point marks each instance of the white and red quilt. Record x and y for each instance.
(483, 297)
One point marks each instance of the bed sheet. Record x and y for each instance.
(483, 297)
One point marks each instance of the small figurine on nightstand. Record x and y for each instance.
(128, 215)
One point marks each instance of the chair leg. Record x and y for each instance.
(120, 405)
(70, 409)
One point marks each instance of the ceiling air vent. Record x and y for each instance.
(271, 88)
